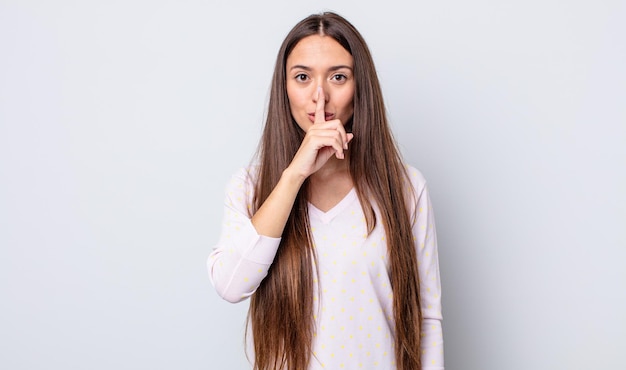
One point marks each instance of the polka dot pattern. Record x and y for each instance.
(354, 315)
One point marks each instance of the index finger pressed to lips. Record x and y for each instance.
(320, 116)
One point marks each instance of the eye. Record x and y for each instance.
(339, 78)
(301, 77)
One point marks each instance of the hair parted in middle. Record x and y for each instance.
(281, 310)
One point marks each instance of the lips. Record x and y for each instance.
(327, 116)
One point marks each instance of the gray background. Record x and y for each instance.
(121, 122)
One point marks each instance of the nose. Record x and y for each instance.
(324, 91)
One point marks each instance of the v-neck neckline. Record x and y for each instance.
(328, 216)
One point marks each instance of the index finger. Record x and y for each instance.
(320, 116)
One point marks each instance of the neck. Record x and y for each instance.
(332, 169)
(330, 184)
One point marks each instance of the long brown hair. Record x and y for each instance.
(281, 310)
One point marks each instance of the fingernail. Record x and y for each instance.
(345, 145)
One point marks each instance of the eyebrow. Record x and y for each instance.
(331, 69)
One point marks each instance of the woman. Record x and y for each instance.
(329, 233)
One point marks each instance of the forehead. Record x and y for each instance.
(319, 51)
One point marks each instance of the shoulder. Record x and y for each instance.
(417, 179)
(244, 177)
(239, 191)
(240, 188)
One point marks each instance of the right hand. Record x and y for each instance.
(323, 140)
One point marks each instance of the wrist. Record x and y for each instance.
(293, 177)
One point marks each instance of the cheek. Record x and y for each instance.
(348, 96)
(295, 98)
(348, 102)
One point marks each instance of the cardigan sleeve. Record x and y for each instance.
(242, 257)
(428, 266)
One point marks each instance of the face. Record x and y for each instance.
(320, 61)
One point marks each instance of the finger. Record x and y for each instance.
(334, 125)
(329, 140)
(342, 133)
(349, 138)
(319, 108)
(329, 133)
